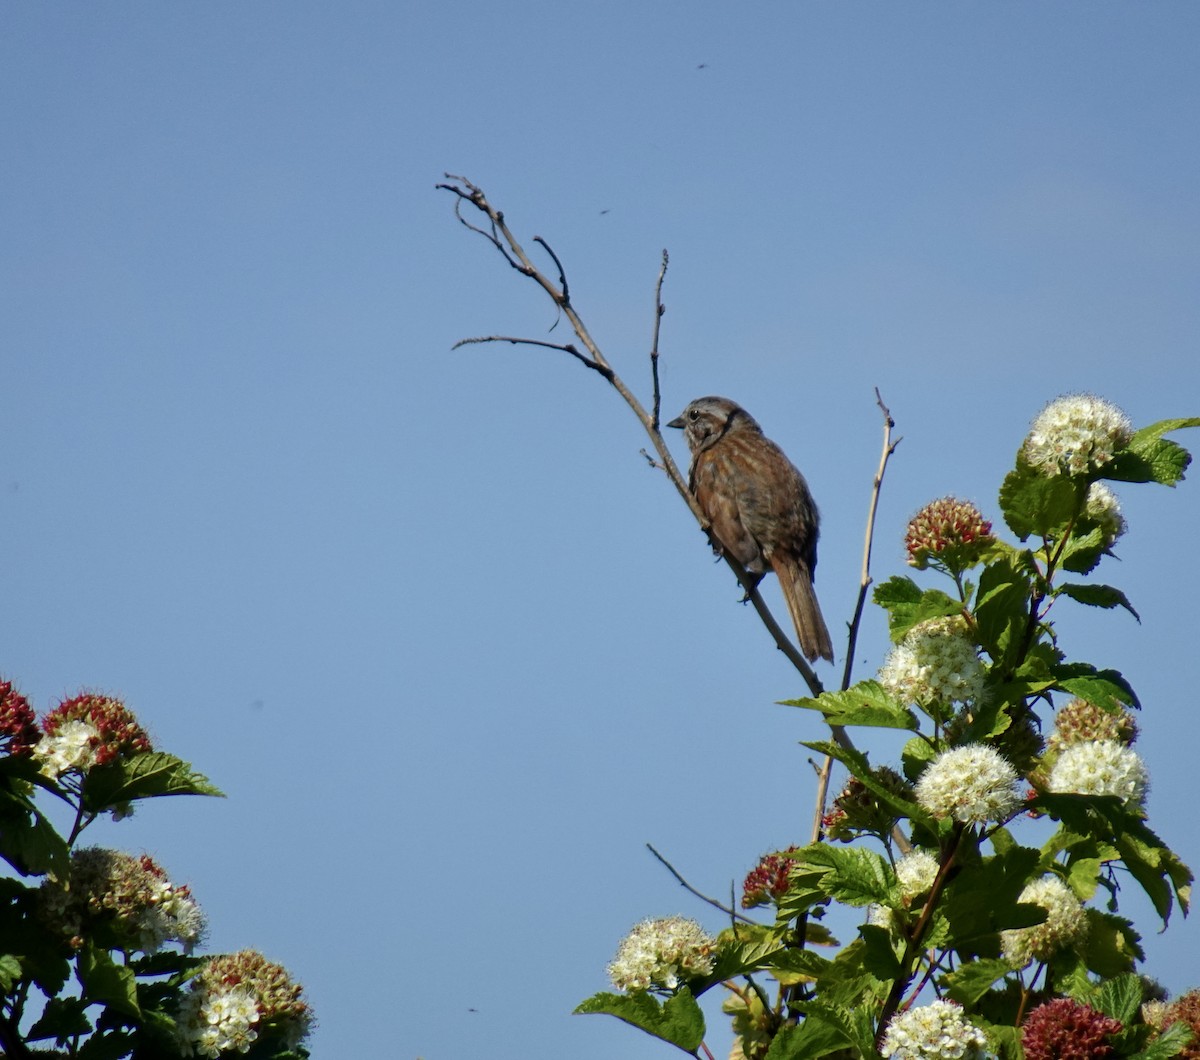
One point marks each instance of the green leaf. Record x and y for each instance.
(1107, 819)
(865, 704)
(1119, 997)
(111, 1046)
(797, 966)
(1002, 609)
(1038, 505)
(106, 982)
(825, 1030)
(28, 841)
(1097, 596)
(880, 956)
(678, 1020)
(907, 605)
(858, 764)
(1170, 1043)
(970, 981)
(981, 901)
(143, 776)
(1151, 458)
(62, 1018)
(1104, 688)
(746, 948)
(852, 875)
(10, 972)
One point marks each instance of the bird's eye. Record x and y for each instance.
(694, 415)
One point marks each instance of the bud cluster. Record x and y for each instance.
(235, 1000)
(132, 895)
(86, 731)
(768, 880)
(1065, 1028)
(18, 723)
(947, 532)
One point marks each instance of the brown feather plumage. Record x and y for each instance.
(759, 507)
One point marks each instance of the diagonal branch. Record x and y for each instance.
(500, 236)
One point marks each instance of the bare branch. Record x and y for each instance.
(500, 236)
(889, 447)
(565, 347)
(659, 310)
(562, 276)
(732, 913)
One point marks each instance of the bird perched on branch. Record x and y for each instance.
(759, 507)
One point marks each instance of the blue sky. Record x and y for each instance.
(452, 649)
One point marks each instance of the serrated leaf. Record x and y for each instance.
(28, 841)
(1002, 609)
(62, 1018)
(907, 605)
(792, 966)
(1119, 997)
(970, 981)
(1162, 875)
(852, 875)
(1104, 688)
(143, 776)
(826, 1029)
(858, 764)
(1038, 505)
(107, 982)
(880, 960)
(1151, 458)
(1171, 1042)
(1097, 596)
(10, 972)
(678, 1020)
(865, 704)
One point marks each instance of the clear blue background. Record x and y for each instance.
(452, 649)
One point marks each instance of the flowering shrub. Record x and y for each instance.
(105, 936)
(976, 939)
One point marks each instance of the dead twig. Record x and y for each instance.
(732, 913)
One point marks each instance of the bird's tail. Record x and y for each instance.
(801, 600)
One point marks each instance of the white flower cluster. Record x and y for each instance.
(1103, 509)
(72, 747)
(173, 916)
(935, 663)
(1100, 767)
(933, 1032)
(916, 872)
(972, 784)
(216, 1020)
(1076, 434)
(1065, 923)
(657, 953)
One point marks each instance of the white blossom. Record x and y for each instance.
(659, 953)
(1103, 509)
(933, 1032)
(1100, 767)
(972, 784)
(935, 663)
(72, 747)
(1076, 434)
(1065, 923)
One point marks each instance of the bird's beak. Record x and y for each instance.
(676, 422)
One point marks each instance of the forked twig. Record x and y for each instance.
(498, 234)
(732, 913)
(659, 309)
(826, 770)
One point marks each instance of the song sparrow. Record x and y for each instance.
(759, 507)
